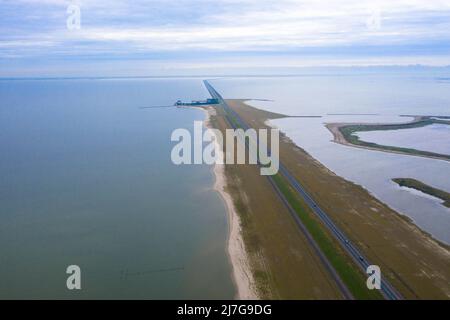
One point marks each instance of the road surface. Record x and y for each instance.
(387, 289)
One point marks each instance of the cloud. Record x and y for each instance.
(124, 29)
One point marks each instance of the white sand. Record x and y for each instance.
(242, 274)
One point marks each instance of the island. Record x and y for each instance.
(344, 133)
(422, 187)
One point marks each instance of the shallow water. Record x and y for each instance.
(375, 169)
(433, 138)
(86, 179)
(353, 98)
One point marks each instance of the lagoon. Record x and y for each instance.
(433, 138)
(87, 179)
(356, 97)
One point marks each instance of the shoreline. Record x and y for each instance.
(240, 263)
(398, 231)
(333, 127)
(339, 138)
(400, 212)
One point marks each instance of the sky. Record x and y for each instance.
(183, 37)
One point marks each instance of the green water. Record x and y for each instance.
(86, 179)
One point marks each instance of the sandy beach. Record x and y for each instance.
(242, 273)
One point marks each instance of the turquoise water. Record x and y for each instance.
(86, 179)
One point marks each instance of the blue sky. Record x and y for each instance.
(163, 37)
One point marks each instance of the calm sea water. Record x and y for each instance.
(385, 93)
(385, 96)
(86, 179)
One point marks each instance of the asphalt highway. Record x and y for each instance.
(386, 288)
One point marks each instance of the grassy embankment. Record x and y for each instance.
(347, 270)
(418, 185)
(415, 264)
(348, 132)
(283, 264)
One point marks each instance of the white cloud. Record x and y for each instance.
(120, 26)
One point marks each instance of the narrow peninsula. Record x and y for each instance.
(345, 133)
(422, 187)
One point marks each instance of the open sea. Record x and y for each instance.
(86, 177)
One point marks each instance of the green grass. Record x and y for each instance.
(418, 185)
(353, 278)
(231, 118)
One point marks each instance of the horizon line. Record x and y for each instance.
(99, 77)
